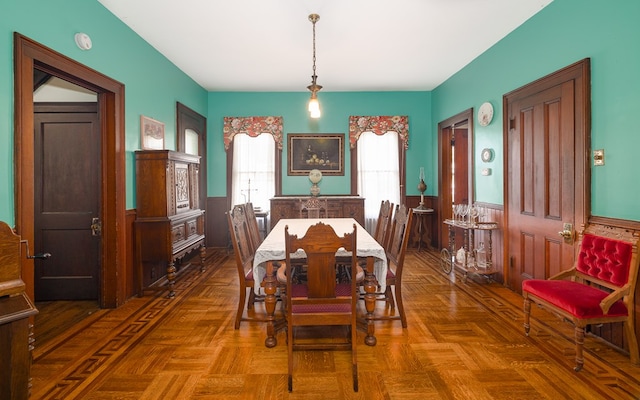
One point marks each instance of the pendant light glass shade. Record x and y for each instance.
(314, 106)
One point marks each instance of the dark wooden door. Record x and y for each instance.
(67, 199)
(545, 175)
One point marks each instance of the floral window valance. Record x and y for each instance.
(379, 125)
(252, 126)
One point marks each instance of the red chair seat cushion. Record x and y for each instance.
(301, 291)
(581, 300)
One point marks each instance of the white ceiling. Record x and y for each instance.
(361, 45)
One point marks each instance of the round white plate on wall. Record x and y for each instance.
(83, 41)
(485, 114)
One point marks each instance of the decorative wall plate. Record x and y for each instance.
(486, 155)
(485, 114)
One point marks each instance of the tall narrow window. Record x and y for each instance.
(378, 173)
(254, 159)
(253, 171)
(378, 153)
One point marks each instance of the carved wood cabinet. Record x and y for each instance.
(338, 207)
(169, 222)
(16, 331)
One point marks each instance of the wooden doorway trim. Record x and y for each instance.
(444, 167)
(579, 75)
(28, 55)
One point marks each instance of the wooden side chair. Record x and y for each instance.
(383, 225)
(321, 300)
(313, 207)
(598, 289)
(396, 249)
(243, 251)
(252, 224)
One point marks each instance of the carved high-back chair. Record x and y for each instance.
(244, 252)
(598, 289)
(252, 223)
(383, 225)
(396, 249)
(313, 207)
(321, 300)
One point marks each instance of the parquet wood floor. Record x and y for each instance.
(464, 341)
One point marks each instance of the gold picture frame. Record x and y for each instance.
(324, 152)
(151, 134)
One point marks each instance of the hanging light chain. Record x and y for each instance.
(314, 18)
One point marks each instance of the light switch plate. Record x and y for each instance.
(486, 171)
(598, 157)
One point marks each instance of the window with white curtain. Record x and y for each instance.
(378, 173)
(253, 171)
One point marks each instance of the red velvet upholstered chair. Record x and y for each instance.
(321, 300)
(598, 289)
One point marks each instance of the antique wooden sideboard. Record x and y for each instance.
(169, 222)
(16, 308)
(338, 207)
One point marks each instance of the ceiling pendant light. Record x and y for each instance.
(314, 105)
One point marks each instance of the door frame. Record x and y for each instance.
(444, 168)
(580, 72)
(28, 55)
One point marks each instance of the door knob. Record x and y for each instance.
(566, 234)
(96, 227)
(567, 231)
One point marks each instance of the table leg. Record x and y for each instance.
(370, 285)
(270, 286)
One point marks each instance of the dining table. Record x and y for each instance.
(271, 254)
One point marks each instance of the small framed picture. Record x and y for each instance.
(152, 134)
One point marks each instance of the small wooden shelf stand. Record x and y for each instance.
(469, 265)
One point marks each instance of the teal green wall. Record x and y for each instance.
(564, 32)
(336, 109)
(152, 84)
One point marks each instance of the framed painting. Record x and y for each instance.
(152, 134)
(319, 151)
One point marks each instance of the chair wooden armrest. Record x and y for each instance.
(570, 273)
(610, 300)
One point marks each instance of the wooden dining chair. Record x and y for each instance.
(396, 249)
(321, 300)
(383, 225)
(313, 207)
(252, 224)
(244, 252)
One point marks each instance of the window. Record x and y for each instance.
(253, 171)
(378, 148)
(254, 159)
(378, 173)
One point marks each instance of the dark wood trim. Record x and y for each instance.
(217, 232)
(620, 223)
(28, 55)
(187, 118)
(444, 164)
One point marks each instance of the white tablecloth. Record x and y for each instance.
(273, 248)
